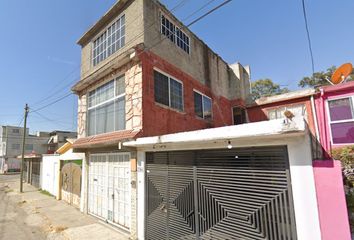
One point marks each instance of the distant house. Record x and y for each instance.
(11, 146)
(58, 138)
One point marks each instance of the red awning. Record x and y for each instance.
(106, 139)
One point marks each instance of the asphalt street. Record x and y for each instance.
(13, 224)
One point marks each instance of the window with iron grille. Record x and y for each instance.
(175, 34)
(278, 113)
(202, 106)
(168, 91)
(110, 41)
(341, 118)
(106, 107)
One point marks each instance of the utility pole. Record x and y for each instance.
(23, 146)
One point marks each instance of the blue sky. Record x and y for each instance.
(40, 58)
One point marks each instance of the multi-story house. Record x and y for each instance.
(58, 138)
(144, 73)
(11, 145)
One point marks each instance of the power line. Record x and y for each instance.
(53, 102)
(209, 12)
(180, 4)
(198, 10)
(190, 24)
(308, 35)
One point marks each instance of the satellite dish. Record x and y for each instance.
(342, 73)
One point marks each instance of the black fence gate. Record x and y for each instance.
(220, 194)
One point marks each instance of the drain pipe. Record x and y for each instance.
(314, 113)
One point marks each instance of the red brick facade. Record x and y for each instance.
(159, 119)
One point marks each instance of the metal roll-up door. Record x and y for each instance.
(220, 194)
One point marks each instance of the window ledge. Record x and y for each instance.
(169, 108)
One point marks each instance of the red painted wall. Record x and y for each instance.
(259, 113)
(159, 119)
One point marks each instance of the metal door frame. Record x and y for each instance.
(106, 157)
(292, 216)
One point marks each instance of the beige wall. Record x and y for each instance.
(201, 63)
(133, 35)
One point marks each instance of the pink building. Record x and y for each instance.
(334, 118)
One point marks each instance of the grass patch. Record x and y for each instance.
(45, 192)
(8, 190)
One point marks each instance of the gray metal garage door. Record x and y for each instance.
(237, 194)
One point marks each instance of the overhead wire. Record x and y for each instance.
(308, 35)
(137, 36)
(180, 4)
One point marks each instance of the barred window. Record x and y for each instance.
(110, 41)
(106, 107)
(175, 34)
(168, 91)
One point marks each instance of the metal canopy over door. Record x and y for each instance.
(109, 187)
(237, 194)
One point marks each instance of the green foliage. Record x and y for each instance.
(345, 155)
(319, 78)
(265, 88)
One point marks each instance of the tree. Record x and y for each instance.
(319, 78)
(265, 88)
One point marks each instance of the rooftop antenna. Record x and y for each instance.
(341, 74)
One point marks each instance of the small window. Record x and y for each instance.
(168, 91)
(341, 117)
(278, 113)
(15, 146)
(239, 114)
(202, 106)
(29, 147)
(16, 130)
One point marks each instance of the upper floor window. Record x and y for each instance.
(15, 146)
(106, 107)
(16, 130)
(202, 105)
(29, 147)
(175, 34)
(168, 91)
(278, 113)
(239, 115)
(341, 116)
(110, 41)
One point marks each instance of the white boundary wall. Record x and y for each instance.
(50, 174)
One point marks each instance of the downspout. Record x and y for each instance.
(314, 113)
(327, 146)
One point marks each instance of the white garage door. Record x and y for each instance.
(109, 187)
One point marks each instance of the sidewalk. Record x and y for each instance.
(56, 219)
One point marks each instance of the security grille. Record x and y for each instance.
(220, 194)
